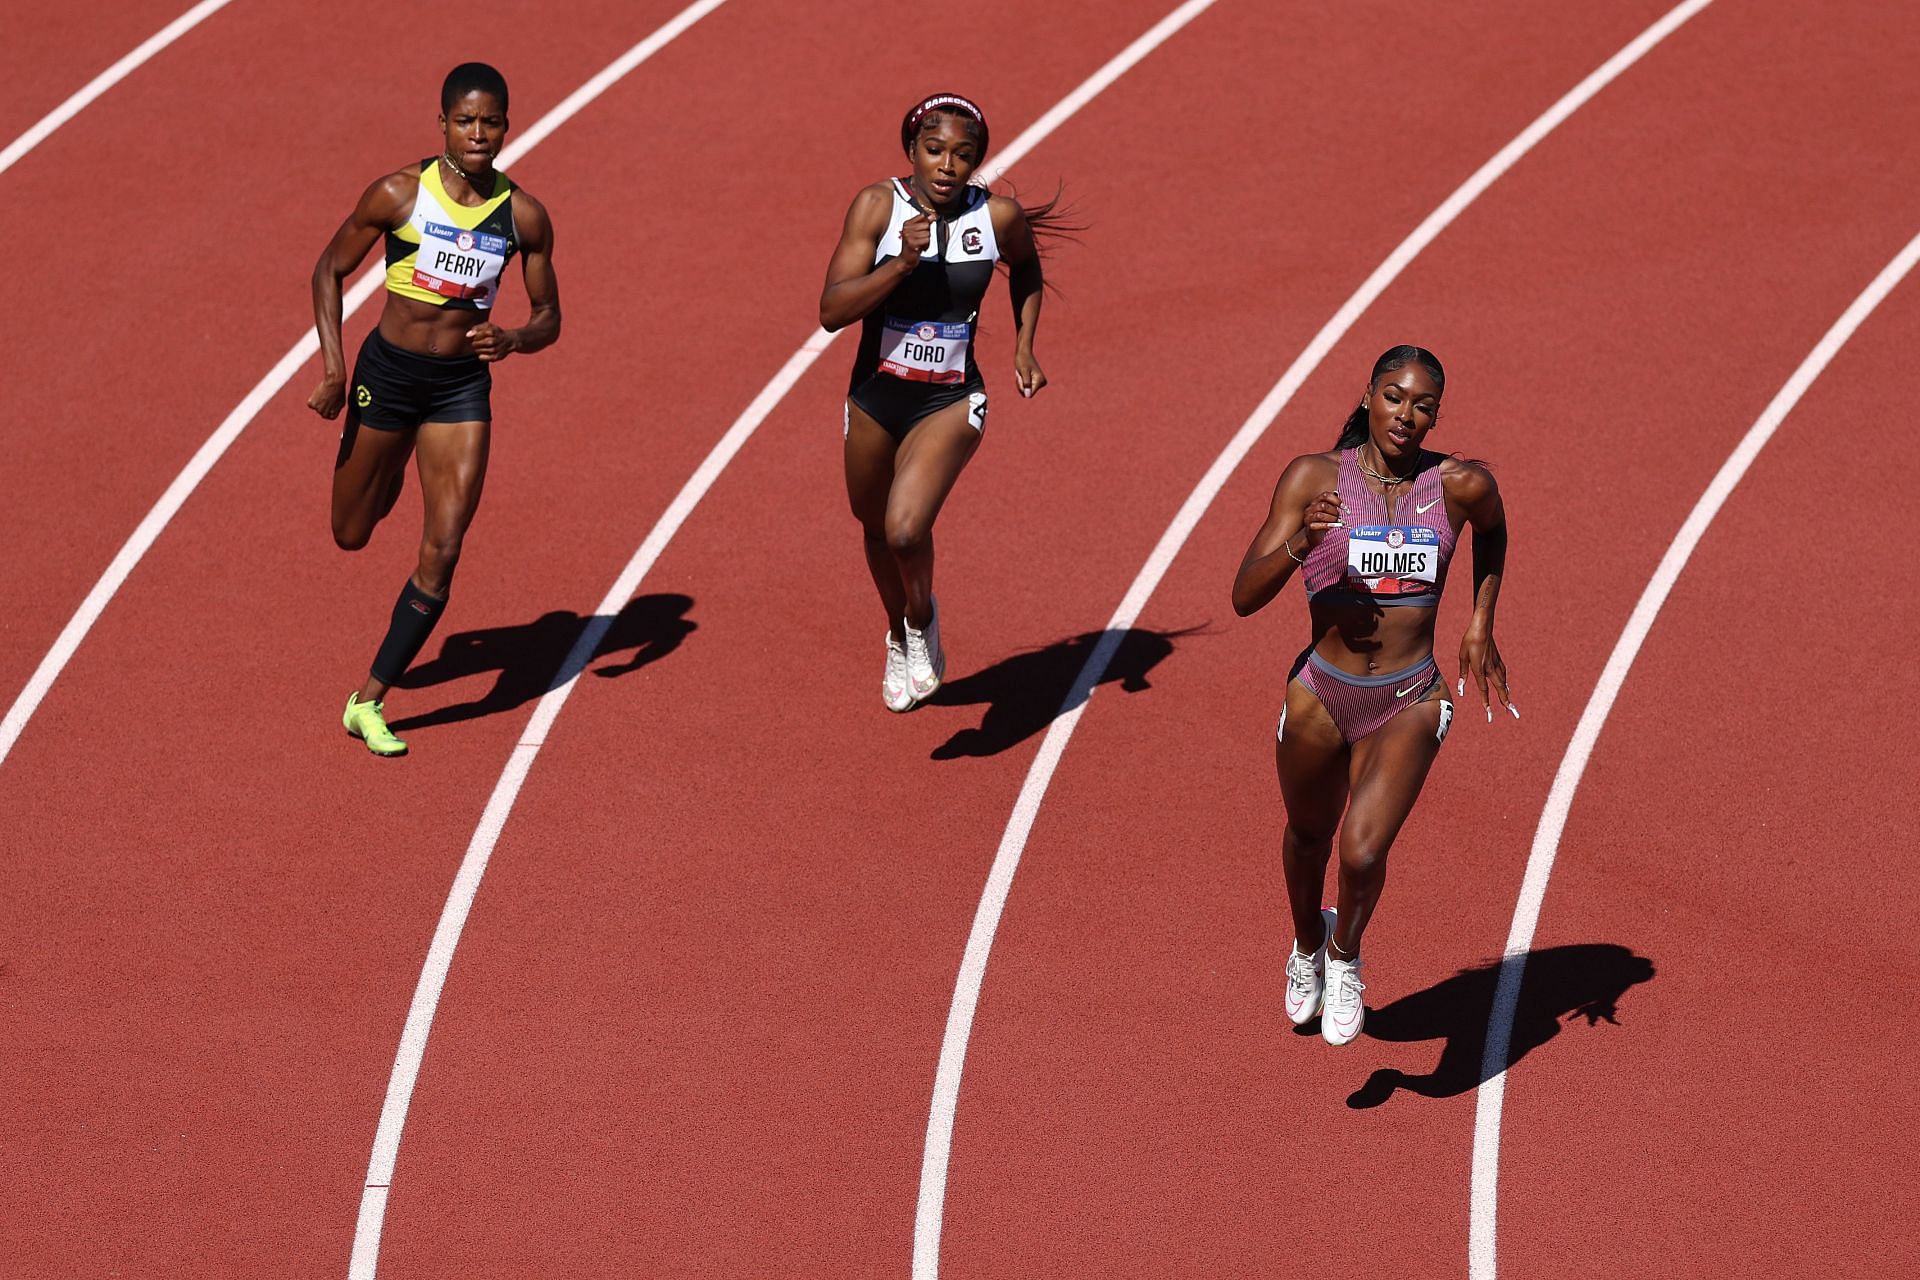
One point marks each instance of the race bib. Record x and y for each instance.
(457, 263)
(925, 350)
(1394, 559)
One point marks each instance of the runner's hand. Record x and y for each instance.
(916, 233)
(492, 343)
(1480, 658)
(328, 398)
(1027, 371)
(1321, 514)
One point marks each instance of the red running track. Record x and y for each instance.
(1593, 268)
(224, 944)
(53, 51)
(1742, 820)
(693, 1023)
(1775, 847)
(201, 270)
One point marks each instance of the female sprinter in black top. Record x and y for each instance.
(422, 383)
(1370, 527)
(914, 260)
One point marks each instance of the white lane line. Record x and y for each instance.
(113, 75)
(466, 884)
(1481, 1251)
(973, 964)
(150, 528)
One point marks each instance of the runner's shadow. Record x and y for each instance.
(1558, 986)
(529, 657)
(1026, 692)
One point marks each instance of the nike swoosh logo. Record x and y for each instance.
(1423, 510)
(1413, 688)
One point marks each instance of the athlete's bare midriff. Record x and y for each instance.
(1366, 640)
(418, 326)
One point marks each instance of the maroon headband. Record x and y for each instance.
(910, 126)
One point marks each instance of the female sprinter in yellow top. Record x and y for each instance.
(422, 383)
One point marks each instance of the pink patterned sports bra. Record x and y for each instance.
(1370, 561)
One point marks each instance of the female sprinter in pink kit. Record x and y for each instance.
(1371, 526)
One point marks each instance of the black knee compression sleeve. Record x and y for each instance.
(414, 615)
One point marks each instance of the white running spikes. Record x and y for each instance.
(1343, 1014)
(1306, 977)
(893, 684)
(926, 662)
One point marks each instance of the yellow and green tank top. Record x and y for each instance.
(448, 254)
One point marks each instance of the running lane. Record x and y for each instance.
(54, 50)
(203, 996)
(661, 983)
(156, 302)
(703, 987)
(1746, 817)
(1745, 821)
(1134, 1100)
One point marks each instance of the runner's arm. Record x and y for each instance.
(855, 286)
(1303, 509)
(381, 206)
(542, 329)
(1026, 285)
(1472, 488)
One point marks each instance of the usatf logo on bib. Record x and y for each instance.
(455, 262)
(1394, 560)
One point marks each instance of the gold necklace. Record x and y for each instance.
(446, 158)
(1375, 476)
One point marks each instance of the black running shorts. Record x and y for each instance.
(395, 389)
(898, 404)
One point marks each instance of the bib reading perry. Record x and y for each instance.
(925, 350)
(1394, 559)
(457, 263)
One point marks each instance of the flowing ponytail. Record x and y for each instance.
(1050, 219)
(1354, 433)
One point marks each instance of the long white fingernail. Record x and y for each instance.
(1460, 690)
(1514, 709)
(1489, 715)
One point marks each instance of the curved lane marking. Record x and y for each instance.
(177, 493)
(1481, 1253)
(973, 964)
(113, 75)
(466, 883)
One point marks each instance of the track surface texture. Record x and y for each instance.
(692, 1024)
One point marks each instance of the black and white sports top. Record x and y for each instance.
(923, 332)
